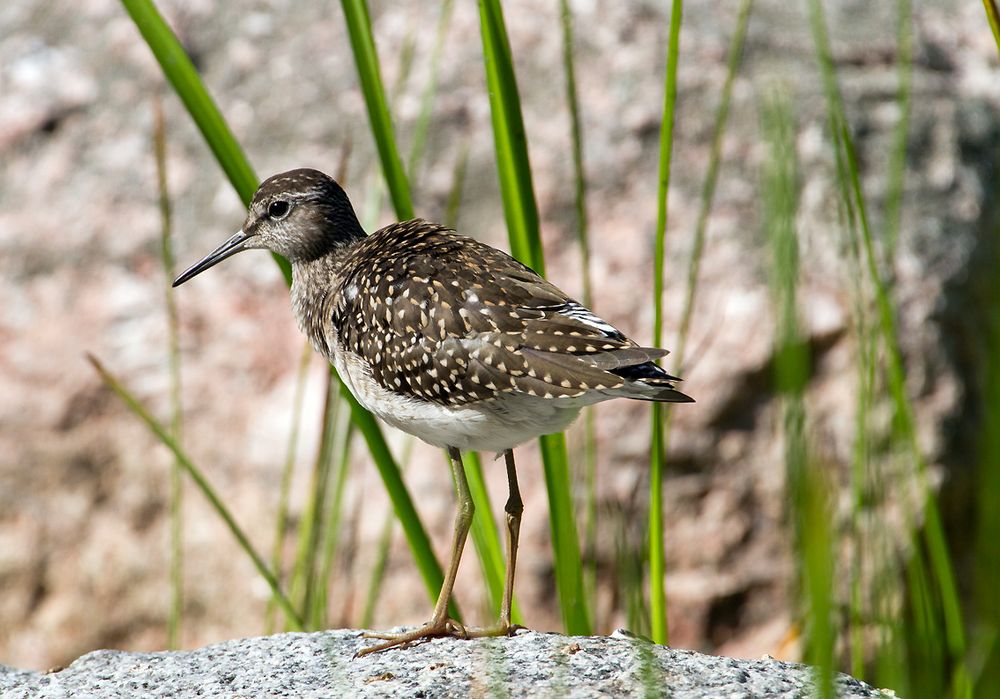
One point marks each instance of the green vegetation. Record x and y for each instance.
(174, 362)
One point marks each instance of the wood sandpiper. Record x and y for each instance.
(443, 337)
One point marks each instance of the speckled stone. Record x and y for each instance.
(322, 665)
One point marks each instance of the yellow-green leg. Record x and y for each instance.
(440, 624)
(513, 509)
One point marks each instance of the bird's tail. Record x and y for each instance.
(641, 378)
(646, 380)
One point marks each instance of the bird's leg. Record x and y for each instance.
(513, 509)
(440, 624)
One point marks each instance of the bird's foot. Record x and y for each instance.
(501, 628)
(432, 629)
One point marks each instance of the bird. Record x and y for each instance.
(445, 338)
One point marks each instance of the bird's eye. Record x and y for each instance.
(278, 209)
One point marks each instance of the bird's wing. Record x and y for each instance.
(451, 320)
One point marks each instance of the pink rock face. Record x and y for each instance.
(84, 538)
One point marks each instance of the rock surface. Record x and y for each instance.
(322, 665)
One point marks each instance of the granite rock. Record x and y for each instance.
(530, 664)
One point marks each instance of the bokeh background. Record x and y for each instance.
(84, 487)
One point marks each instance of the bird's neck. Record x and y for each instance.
(328, 239)
(314, 285)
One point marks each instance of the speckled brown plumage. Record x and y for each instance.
(416, 314)
(444, 318)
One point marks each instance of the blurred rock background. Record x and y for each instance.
(84, 540)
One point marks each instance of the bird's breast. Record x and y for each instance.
(314, 316)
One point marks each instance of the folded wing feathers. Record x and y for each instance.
(540, 350)
(625, 357)
(489, 325)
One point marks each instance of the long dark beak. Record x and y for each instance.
(227, 249)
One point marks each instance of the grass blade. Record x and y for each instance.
(588, 474)
(416, 535)
(993, 17)
(510, 141)
(305, 584)
(180, 71)
(178, 68)
(521, 212)
(565, 545)
(711, 176)
(359, 29)
(932, 532)
(295, 621)
(576, 131)
(366, 58)
(174, 363)
(897, 158)
(987, 560)
(661, 428)
(281, 520)
(377, 574)
(454, 201)
(422, 125)
(659, 631)
(485, 535)
(810, 508)
(343, 432)
(378, 571)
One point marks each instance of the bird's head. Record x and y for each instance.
(300, 214)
